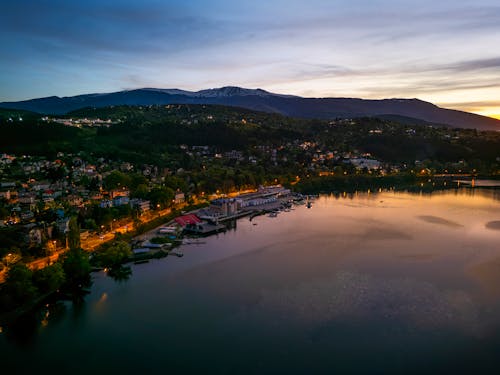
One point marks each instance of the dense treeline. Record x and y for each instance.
(152, 135)
(24, 287)
(354, 183)
(37, 138)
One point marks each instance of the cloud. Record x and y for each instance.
(473, 65)
(371, 48)
(490, 106)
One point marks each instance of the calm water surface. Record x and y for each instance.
(369, 283)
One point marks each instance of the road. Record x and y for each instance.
(92, 242)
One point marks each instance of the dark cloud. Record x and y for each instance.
(416, 88)
(384, 47)
(472, 65)
(473, 106)
(479, 104)
(430, 76)
(87, 27)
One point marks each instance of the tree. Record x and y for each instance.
(73, 234)
(115, 254)
(161, 196)
(76, 262)
(176, 183)
(76, 267)
(90, 224)
(117, 179)
(50, 278)
(136, 180)
(4, 212)
(141, 191)
(19, 285)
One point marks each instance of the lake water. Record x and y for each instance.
(363, 283)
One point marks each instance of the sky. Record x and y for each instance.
(446, 52)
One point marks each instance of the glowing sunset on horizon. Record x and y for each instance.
(441, 52)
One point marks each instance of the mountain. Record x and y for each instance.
(261, 100)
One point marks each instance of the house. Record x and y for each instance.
(44, 185)
(74, 200)
(28, 200)
(63, 225)
(234, 155)
(7, 184)
(125, 167)
(140, 204)
(33, 234)
(179, 198)
(106, 203)
(27, 215)
(96, 196)
(119, 193)
(120, 201)
(5, 195)
(84, 234)
(49, 193)
(361, 163)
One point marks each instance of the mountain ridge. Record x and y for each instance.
(262, 100)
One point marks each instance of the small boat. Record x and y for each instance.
(273, 214)
(167, 230)
(192, 241)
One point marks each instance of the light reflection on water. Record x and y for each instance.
(361, 282)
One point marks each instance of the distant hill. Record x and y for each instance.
(261, 100)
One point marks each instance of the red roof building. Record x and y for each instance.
(187, 219)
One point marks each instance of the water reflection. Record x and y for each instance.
(495, 225)
(24, 331)
(418, 304)
(439, 220)
(120, 273)
(385, 280)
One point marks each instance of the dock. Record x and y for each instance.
(204, 228)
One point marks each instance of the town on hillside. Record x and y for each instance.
(117, 168)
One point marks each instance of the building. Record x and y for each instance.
(179, 198)
(225, 207)
(63, 225)
(5, 195)
(234, 155)
(361, 163)
(189, 219)
(140, 204)
(120, 201)
(7, 184)
(191, 223)
(106, 203)
(27, 215)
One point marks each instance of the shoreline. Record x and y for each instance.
(7, 318)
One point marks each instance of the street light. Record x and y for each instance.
(7, 259)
